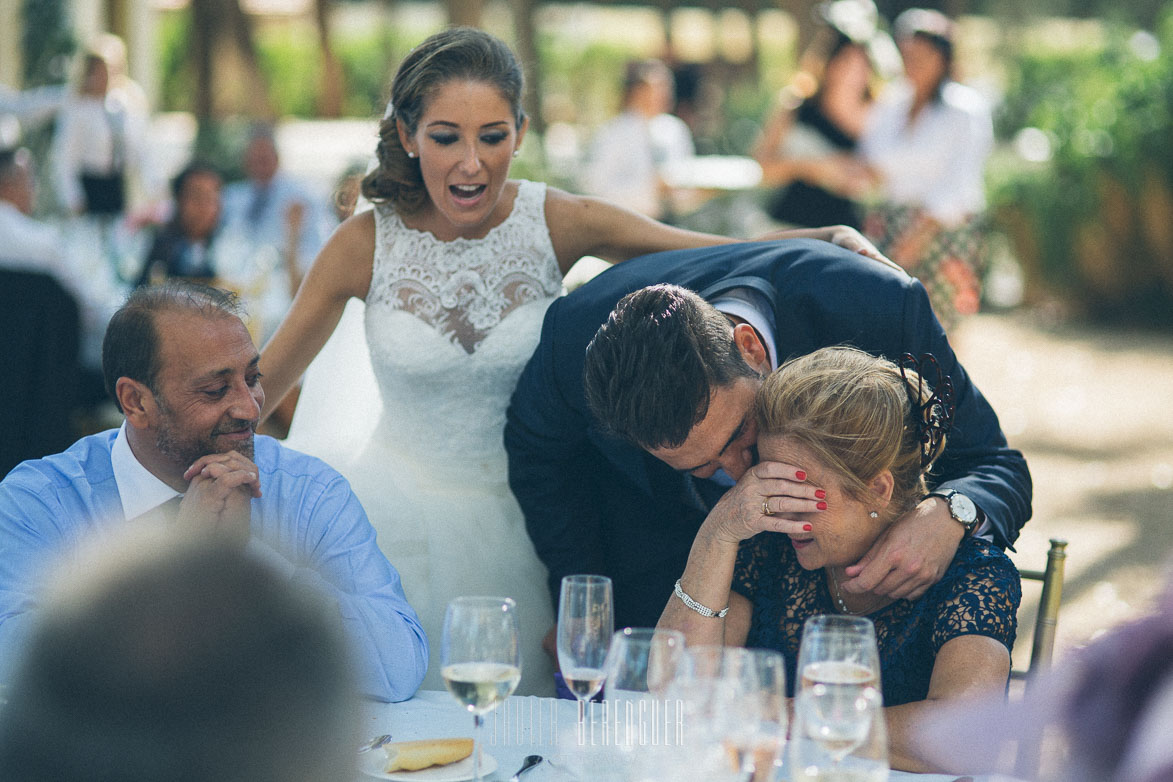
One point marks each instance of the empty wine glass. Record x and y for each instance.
(585, 626)
(480, 657)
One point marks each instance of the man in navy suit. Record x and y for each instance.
(596, 502)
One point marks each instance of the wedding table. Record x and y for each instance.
(523, 725)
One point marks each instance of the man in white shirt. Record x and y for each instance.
(26, 243)
(630, 152)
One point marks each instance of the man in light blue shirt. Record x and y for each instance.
(183, 369)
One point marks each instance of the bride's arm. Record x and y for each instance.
(341, 270)
(585, 225)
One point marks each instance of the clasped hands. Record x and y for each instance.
(220, 490)
(908, 557)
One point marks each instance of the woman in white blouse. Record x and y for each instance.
(926, 143)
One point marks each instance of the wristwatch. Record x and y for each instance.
(961, 508)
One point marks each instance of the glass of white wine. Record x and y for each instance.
(839, 736)
(585, 625)
(480, 657)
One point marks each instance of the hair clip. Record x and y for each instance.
(933, 416)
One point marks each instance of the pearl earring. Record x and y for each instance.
(411, 154)
(516, 152)
(873, 515)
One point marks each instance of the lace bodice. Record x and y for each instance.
(465, 287)
(450, 326)
(979, 594)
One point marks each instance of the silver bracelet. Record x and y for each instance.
(695, 606)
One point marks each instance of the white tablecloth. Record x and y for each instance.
(522, 726)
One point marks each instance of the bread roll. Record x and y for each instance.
(414, 755)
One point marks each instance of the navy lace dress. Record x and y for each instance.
(978, 595)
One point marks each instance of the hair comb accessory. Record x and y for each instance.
(390, 110)
(933, 416)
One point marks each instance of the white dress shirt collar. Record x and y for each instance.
(138, 488)
(739, 303)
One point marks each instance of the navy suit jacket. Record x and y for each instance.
(596, 504)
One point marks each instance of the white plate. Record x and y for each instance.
(373, 762)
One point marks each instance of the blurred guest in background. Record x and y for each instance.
(30, 108)
(165, 657)
(629, 154)
(272, 209)
(183, 370)
(183, 247)
(807, 147)
(98, 152)
(26, 243)
(926, 142)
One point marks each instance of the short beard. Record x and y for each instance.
(184, 453)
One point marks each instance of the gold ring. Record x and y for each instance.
(765, 508)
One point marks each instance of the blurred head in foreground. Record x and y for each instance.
(182, 660)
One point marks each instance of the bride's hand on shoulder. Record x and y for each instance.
(341, 270)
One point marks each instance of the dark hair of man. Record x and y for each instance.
(189, 663)
(191, 169)
(651, 368)
(130, 347)
(9, 162)
(459, 53)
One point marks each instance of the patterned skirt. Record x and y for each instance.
(952, 265)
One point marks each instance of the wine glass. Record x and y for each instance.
(738, 695)
(640, 664)
(480, 657)
(838, 736)
(585, 626)
(839, 651)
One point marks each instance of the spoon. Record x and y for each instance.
(529, 762)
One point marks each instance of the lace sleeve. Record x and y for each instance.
(979, 595)
(747, 573)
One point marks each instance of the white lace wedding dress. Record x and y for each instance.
(449, 326)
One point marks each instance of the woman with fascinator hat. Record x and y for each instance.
(866, 431)
(457, 264)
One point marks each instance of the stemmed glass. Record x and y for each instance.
(832, 723)
(480, 657)
(838, 701)
(585, 626)
(838, 650)
(738, 695)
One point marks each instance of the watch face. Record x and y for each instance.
(963, 509)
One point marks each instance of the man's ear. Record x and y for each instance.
(750, 345)
(137, 402)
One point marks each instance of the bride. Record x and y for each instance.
(457, 264)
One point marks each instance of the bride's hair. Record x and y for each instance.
(459, 53)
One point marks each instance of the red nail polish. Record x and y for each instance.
(821, 506)
(807, 528)
(799, 475)
(820, 494)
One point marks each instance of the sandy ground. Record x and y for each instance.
(1092, 409)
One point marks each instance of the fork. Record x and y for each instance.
(375, 743)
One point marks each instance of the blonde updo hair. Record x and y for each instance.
(459, 53)
(853, 412)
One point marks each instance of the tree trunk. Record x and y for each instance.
(467, 13)
(228, 76)
(333, 88)
(527, 52)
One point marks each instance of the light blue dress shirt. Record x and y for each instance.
(308, 521)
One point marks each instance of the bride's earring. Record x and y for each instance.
(516, 152)
(411, 155)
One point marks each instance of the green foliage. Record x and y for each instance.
(177, 81)
(1092, 220)
(291, 62)
(46, 42)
